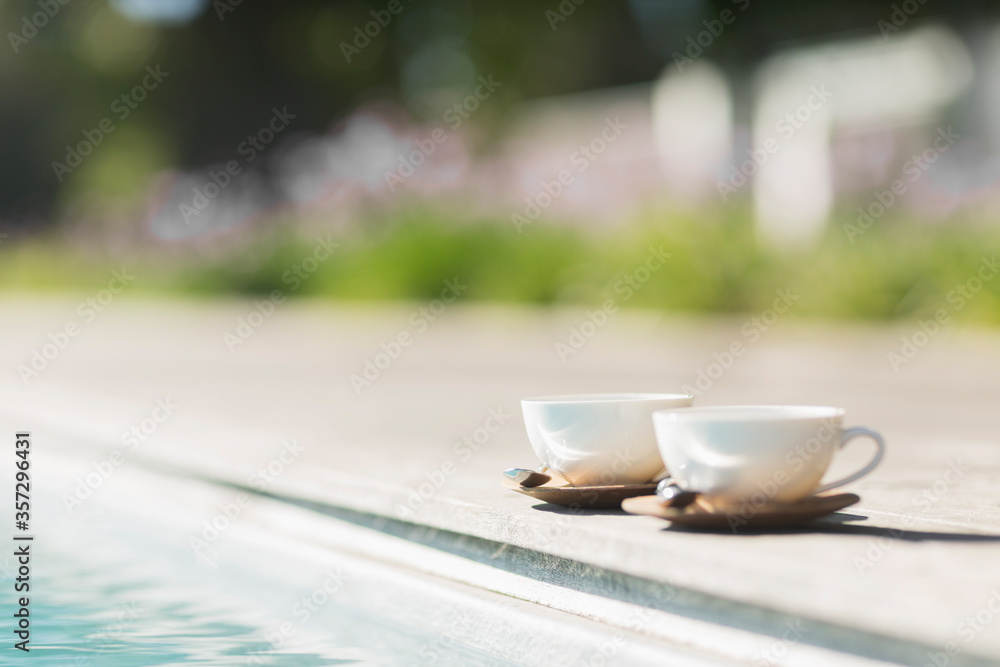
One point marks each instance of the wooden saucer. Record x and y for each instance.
(700, 514)
(590, 497)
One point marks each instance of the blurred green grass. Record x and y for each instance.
(897, 269)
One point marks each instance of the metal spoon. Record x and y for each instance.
(672, 495)
(526, 477)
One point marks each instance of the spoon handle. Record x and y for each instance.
(672, 495)
(526, 477)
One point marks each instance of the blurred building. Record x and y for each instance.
(896, 121)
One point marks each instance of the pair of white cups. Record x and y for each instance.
(728, 452)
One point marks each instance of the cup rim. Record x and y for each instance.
(750, 413)
(625, 397)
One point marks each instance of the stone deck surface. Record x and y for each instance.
(913, 562)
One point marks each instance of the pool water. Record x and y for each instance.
(112, 585)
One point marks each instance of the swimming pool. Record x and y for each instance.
(117, 582)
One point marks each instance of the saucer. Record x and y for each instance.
(590, 497)
(701, 514)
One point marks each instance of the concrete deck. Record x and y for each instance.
(908, 576)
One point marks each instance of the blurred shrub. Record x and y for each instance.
(716, 263)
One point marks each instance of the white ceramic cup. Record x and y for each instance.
(592, 439)
(749, 453)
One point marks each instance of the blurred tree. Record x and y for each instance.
(225, 70)
(232, 63)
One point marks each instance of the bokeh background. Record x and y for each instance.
(850, 149)
(304, 258)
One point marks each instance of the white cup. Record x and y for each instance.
(749, 453)
(592, 439)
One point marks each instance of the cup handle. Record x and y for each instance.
(846, 435)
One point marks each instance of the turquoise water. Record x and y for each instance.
(96, 616)
(129, 611)
(113, 588)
